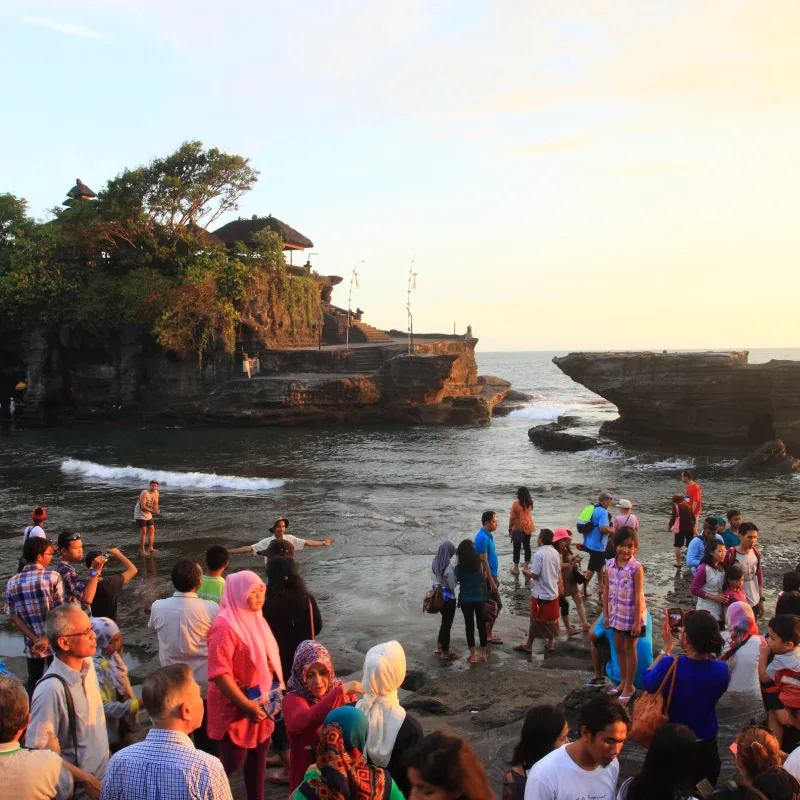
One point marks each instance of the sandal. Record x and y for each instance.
(585, 628)
(494, 640)
(520, 648)
(574, 632)
(280, 777)
(550, 649)
(484, 656)
(449, 656)
(624, 699)
(472, 659)
(613, 692)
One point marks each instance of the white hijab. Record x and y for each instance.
(384, 671)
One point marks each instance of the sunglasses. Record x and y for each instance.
(73, 537)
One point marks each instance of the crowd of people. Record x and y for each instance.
(244, 685)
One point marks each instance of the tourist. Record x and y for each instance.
(777, 784)
(166, 764)
(694, 495)
(244, 671)
(443, 574)
(624, 608)
(484, 547)
(444, 766)
(30, 595)
(146, 506)
(312, 691)
(392, 732)
(341, 769)
(588, 767)
(596, 540)
(748, 557)
(682, 524)
(789, 598)
(545, 591)
(789, 698)
(668, 769)
(731, 533)
(120, 704)
(734, 583)
(278, 531)
(521, 527)
(545, 729)
(213, 584)
(756, 751)
(78, 720)
(721, 525)
(469, 570)
(697, 546)
(742, 649)
(70, 548)
(570, 570)
(781, 652)
(709, 581)
(625, 519)
(700, 680)
(605, 658)
(36, 528)
(109, 587)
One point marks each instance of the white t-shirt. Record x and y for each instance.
(262, 545)
(547, 565)
(558, 777)
(749, 564)
(743, 667)
(792, 764)
(790, 660)
(33, 531)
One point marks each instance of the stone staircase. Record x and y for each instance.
(361, 333)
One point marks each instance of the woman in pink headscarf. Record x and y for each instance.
(243, 663)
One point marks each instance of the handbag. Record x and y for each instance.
(676, 526)
(311, 618)
(273, 705)
(652, 710)
(577, 574)
(544, 610)
(490, 611)
(434, 600)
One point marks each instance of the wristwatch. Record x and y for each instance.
(94, 573)
(663, 653)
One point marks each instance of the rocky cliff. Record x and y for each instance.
(698, 398)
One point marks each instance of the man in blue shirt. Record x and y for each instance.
(596, 540)
(697, 547)
(731, 535)
(604, 653)
(484, 545)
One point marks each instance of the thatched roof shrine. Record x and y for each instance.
(242, 230)
(80, 191)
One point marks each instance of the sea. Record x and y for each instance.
(388, 494)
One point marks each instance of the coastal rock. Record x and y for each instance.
(514, 396)
(554, 437)
(695, 398)
(426, 705)
(770, 459)
(567, 421)
(511, 402)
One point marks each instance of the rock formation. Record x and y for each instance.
(770, 459)
(555, 437)
(696, 398)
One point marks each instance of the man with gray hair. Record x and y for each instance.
(67, 704)
(166, 763)
(596, 540)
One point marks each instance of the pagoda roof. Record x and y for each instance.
(205, 236)
(80, 189)
(242, 230)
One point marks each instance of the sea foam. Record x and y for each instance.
(189, 480)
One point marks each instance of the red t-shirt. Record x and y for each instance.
(695, 498)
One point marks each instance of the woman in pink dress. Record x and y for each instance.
(243, 664)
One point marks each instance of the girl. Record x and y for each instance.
(443, 574)
(624, 608)
(734, 581)
(561, 541)
(709, 580)
(521, 527)
(470, 574)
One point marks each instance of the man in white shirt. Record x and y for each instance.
(36, 528)
(547, 585)
(587, 768)
(278, 531)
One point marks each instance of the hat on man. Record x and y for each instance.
(279, 519)
(561, 533)
(626, 504)
(603, 496)
(39, 514)
(720, 520)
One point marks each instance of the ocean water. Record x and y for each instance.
(388, 494)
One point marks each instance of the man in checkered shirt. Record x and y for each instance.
(166, 764)
(29, 596)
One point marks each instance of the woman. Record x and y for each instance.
(545, 729)
(244, 669)
(521, 527)
(700, 681)
(756, 751)
(709, 581)
(625, 518)
(777, 784)
(444, 767)
(668, 769)
(562, 538)
(742, 646)
(392, 732)
(443, 574)
(341, 771)
(470, 573)
(313, 691)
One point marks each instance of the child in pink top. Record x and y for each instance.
(734, 585)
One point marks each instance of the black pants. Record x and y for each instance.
(36, 668)
(448, 614)
(474, 612)
(525, 543)
(707, 763)
(563, 605)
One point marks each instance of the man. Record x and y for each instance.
(146, 506)
(747, 556)
(78, 720)
(697, 547)
(604, 654)
(30, 595)
(278, 531)
(694, 495)
(110, 586)
(213, 583)
(596, 540)
(587, 768)
(731, 534)
(166, 762)
(70, 546)
(484, 545)
(37, 527)
(789, 696)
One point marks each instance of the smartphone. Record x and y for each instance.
(704, 789)
(253, 693)
(106, 556)
(675, 619)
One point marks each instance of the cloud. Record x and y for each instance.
(548, 148)
(654, 168)
(70, 30)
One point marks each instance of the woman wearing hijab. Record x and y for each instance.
(341, 771)
(392, 732)
(313, 691)
(443, 574)
(742, 645)
(243, 665)
(119, 701)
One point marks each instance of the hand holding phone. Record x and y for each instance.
(675, 617)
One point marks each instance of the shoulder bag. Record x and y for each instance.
(73, 731)
(311, 617)
(434, 600)
(652, 710)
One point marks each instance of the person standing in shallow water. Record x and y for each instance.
(521, 527)
(694, 495)
(443, 574)
(146, 506)
(484, 546)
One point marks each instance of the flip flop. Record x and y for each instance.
(472, 659)
(494, 640)
(574, 633)
(613, 692)
(550, 649)
(624, 699)
(452, 655)
(585, 628)
(520, 648)
(484, 656)
(280, 778)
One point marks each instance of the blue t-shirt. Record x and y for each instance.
(472, 586)
(484, 543)
(596, 540)
(644, 649)
(698, 687)
(730, 539)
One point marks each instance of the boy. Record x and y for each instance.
(213, 583)
(146, 506)
(781, 652)
(731, 534)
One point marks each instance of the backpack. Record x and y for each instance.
(585, 524)
(730, 557)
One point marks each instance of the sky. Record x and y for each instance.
(565, 175)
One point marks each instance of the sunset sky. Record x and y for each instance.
(568, 175)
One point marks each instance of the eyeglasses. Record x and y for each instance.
(80, 633)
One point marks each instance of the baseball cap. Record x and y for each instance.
(625, 504)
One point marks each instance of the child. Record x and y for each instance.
(709, 582)
(734, 581)
(781, 652)
(213, 583)
(789, 598)
(569, 570)
(682, 524)
(623, 607)
(731, 534)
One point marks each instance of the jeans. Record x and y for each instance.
(36, 668)
(474, 612)
(448, 614)
(707, 762)
(526, 544)
(255, 765)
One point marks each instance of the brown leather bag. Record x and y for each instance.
(652, 710)
(311, 617)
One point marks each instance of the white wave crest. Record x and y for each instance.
(540, 413)
(188, 480)
(668, 463)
